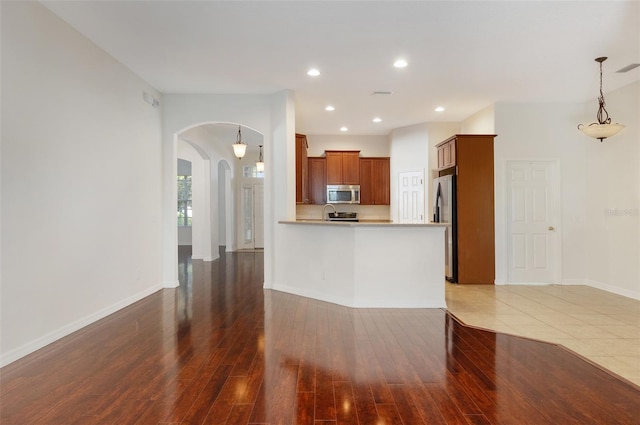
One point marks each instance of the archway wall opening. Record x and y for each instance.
(225, 211)
(200, 228)
(272, 116)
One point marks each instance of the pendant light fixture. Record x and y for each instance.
(603, 128)
(239, 148)
(260, 162)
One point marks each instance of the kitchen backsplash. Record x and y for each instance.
(365, 212)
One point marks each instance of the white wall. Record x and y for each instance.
(482, 122)
(612, 227)
(600, 187)
(545, 132)
(81, 182)
(367, 145)
(409, 149)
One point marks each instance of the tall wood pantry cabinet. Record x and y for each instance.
(302, 197)
(317, 180)
(470, 158)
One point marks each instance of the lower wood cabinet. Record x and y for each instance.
(374, 181)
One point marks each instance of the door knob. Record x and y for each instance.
(551, 228)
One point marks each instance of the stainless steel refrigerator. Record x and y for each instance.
(444, 211)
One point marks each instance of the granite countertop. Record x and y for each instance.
(364, 222)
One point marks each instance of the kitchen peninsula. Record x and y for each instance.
(365, 264)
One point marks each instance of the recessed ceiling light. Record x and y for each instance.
(377, 119)
(330, 108)
(439, 109)
(343, 128)
(313, 72)
(400, 63)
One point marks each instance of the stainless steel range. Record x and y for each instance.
(342, 216)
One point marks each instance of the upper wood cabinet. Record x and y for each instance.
(343, 167)
(302, 179)
(374, 181)
(446, 154)
(317, 180)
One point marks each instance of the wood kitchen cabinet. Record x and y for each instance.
(374, 181)
(302, 196)
(317, 180)
(343, 167)
(470, 158)
(446, 154)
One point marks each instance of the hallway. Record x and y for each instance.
(221, 350)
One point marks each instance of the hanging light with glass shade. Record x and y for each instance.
(239, 148)
(260, 162)
(603, 128)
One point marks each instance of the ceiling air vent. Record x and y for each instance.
(382, 93)
(629, 67)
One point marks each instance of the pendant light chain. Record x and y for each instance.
(601, 108)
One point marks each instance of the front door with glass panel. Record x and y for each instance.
(252, 221)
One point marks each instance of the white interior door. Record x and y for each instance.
(532, 207)
(411, 197)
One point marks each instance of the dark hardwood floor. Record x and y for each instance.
(221, 350)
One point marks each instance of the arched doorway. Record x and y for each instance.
(225, 202)
(219, 187)
(195, 202)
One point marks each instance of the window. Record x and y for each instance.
(247, 200)
(250, 171)
(184, 200)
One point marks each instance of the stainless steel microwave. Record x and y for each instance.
(343, 194)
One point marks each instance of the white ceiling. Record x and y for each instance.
(462, 55)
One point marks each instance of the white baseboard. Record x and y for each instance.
(170, 284)
(38, 343)
(361, 303)
(316, 295)
(604, 286)
(585, 282)
(570, 282)
(401, 303)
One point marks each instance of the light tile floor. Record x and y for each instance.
(598, 325)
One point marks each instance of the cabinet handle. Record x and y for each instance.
(551, 228)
